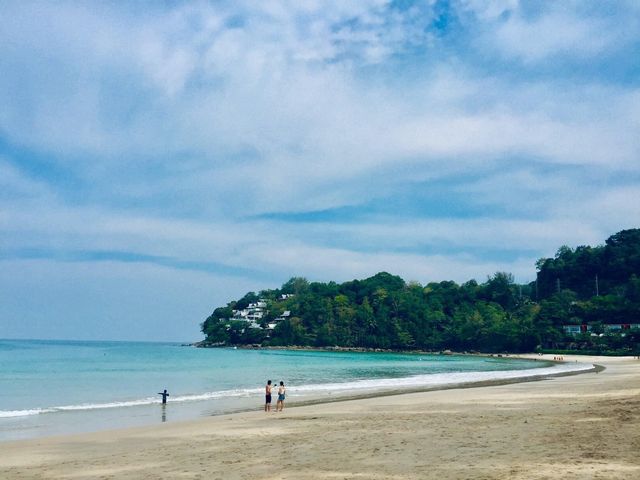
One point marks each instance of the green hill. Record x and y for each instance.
(587, 298)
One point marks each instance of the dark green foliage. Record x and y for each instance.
(622, 256)
(234, 332)
(296, 285)
(246, 300)
(385, 312)
(592, 271)
(500, 289)
(591, 286)
(290, 332)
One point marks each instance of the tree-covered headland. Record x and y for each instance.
(584, 299)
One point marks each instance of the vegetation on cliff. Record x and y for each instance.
(594, 289)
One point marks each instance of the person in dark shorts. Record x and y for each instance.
(164, 396)
(267, 397)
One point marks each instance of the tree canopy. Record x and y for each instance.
(594, 286)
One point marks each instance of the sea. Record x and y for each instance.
(54, 387)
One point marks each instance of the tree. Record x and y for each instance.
(500, 289)
(383, 311)
(290, 332)
(244, 302)
(216, 332)
(295, 286)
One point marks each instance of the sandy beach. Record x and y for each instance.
(572, 427)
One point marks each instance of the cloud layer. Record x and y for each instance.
(231, 145)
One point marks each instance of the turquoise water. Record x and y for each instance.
(53, 387)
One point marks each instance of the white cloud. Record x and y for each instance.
(271, 246)
(540, 31)
(489, 9)
(553, 34)
(341, 265)
(181, 125)
(190, 83)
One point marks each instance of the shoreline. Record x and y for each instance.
(562, 426)
(338, 349)
(329, 393)
(596, 368)
(304, 400)
(560, 352)
(108, 418)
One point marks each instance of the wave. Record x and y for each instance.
(442, 379)
(416, 381)
(131, 403)
(23, 413)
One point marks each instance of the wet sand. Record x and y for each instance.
(571, 427)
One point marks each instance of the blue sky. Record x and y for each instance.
(158, 159)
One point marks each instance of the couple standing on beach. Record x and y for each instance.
(267, 397)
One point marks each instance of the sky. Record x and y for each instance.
(159, 159)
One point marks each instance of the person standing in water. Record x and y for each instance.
(164, 396)
(267, 396)
(281, 392)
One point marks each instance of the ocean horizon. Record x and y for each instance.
(51, 387)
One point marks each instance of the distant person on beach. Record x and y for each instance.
(267, 396)
(164, 396)
(281, 392)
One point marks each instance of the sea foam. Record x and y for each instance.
(434, 380)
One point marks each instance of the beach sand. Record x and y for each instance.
(584, 426)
